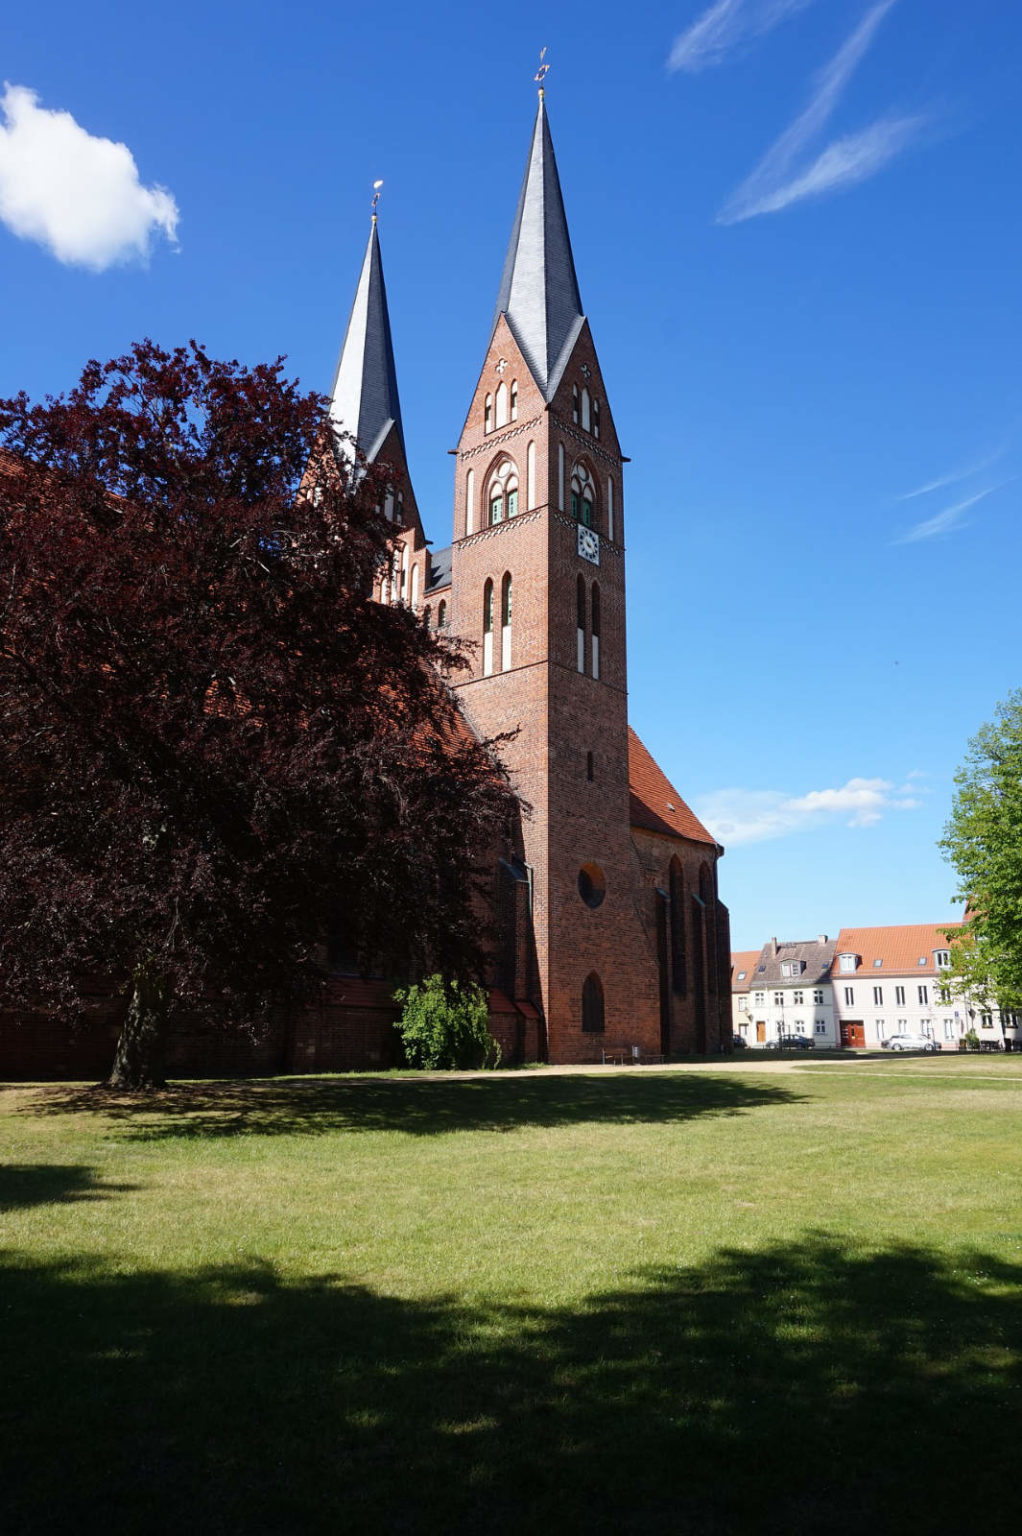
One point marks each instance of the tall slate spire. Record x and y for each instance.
(364, 398)
(539, 289)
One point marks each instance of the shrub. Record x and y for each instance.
(444, 1026)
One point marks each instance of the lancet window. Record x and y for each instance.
(502, 495)
(583, 495)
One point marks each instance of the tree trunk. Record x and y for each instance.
(138, 1063)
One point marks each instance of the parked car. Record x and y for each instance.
(789, 1042)
(909, 1042)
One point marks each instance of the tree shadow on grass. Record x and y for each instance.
(418, 1107)
(807, 1388)
(27, 1184)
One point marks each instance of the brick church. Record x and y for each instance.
(610, 936)
(612, 933)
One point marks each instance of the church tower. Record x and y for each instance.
(364, 404)
(538, 584)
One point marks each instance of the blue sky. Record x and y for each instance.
(797, 230)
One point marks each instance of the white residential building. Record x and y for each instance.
(785, 989)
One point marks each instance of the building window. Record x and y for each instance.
(949, 1029)
(595, 625)
(778, 999)
(502, 495)
(415, 586)
(580, 623)
(470, 501)
(760, 999)
(488, 414)
(488, 629)
(596, 418)
(505, 623)
(986, 1021)
(496, 506)
(849, 996)
(502, 404)
(514, 399)
(792, 967)
(878, 997)
(400, 512)
(818, 996)
(530, 476)
(610, 508)
(924, 995)
(797, 998)
(560, 477)
(441, 616)
(877, 964)
(878, 1025)
(574, 404)
(427, 616)
(592, 1005)
(679, 976)
(820, 1027)
(942, 959)
(847, 962)
(583, 495)
(899, 996)
(585, 410)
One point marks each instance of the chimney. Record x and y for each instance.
(773, 947)
(821, 938)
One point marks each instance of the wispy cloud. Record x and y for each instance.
(77, 195)
(956, 476)
(776, 182)
(948, 519)
(723, 27)
(738, 816)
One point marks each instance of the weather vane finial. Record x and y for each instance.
(376, 197)
(542, 71)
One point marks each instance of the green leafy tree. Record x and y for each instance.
(444, 1026)
(983, 841)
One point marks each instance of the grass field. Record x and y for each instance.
(778, 1297)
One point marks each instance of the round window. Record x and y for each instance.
(592, 884)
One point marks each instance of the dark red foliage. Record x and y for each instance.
(215, 749)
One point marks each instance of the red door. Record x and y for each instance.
(853, 1035)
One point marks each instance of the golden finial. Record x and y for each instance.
(376, 197)
(542, 72)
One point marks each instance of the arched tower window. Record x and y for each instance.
(514, 399)
(505, 623)
(679, 978)
(488, 629)
(596, 418)
(530, 476)
(502, 404)
(583, 496)
(388, 505)
(580, 622)
(400, 510)
(502, 495)
(595, 625)
(403, 593)
(488, 414)
(415, 586)
(574, 404)
(441, 616)
(427, 616)
(586, 420)
(470, 501)
(592, 1005)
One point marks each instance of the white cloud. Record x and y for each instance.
(756, 815)
(77, 195)
(775, 183)
(725, 24)
(944, 522)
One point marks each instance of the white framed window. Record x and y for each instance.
(778, 999)
(488, 629)
(820, 1027)
(818, 996)
(949, 1029)
(942, 959)
(877, 964)
(415, 586)
(849, 996)
(878, 997)
(505, 623)
(879, 1026)
(924, 995)
(899, 996)
(796, 998)
(847, 962)
(760, 999)
(986, 1021)
(792, 967)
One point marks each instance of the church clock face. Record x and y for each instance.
(588, 544)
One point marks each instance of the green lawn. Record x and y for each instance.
(779, 1297)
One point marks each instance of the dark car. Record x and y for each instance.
(791, 1042)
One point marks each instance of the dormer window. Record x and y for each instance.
(792, 967)
(583, 495)
(488, 414)
(847, 962)
(942, 959)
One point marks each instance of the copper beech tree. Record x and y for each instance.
(215, 749)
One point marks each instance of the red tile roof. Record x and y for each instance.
(745, 961)
(900, 949)
(655, 804)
